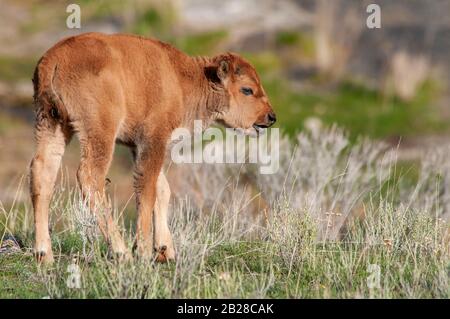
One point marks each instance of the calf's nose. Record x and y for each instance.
(271, 118)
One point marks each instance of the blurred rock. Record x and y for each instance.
(241, 18)
(9, 245)
(408, 73)
(4, 89)
(23, 89)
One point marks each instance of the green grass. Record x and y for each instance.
(149, 22)
(102, 8)
(302, 44)
(287, 38)
(9, 124)
(15, 68)
(267, 64)
(200, 44)
(19, 277)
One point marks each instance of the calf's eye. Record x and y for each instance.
(247, 91)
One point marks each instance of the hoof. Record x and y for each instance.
(163, 254)
(43, 257)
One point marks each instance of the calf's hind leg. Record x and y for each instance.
(96, 156)
(51, 141)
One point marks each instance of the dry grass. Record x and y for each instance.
(333, 211)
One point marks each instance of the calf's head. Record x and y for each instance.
(247, 107)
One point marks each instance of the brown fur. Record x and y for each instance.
(135, 91)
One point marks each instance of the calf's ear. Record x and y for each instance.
(223, 69)
(220, 68)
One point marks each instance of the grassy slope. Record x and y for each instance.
(244, 270)
(218, 257)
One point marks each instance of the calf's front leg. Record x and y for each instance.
(149, 161)
(163, 239)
